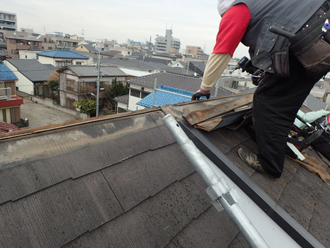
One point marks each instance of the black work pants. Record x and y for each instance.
(275, 105)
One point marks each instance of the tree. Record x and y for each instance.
(87, 106)
(53, 82)
(117, 88)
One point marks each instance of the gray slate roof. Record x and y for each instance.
(122, 181)
(90, 48)
(177, 81)
(314, 104)
(90, 71)
(33, 69)
(143, 65)
(87, 54)
(122, 99)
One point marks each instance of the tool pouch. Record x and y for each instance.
(281, 64)
(312, 48)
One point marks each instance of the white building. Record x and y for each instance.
(61, 58)
(168, 43)
(8, 21)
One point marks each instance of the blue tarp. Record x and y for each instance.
(164, 98)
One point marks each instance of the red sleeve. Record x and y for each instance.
(232, 28)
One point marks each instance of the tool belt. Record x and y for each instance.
(312, 47)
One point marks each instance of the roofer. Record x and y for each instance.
(284, 86)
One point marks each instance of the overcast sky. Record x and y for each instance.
(194, 22)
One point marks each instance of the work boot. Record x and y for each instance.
(252, 161)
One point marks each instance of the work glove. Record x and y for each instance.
(199, 93)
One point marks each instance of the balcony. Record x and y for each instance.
(5, 93)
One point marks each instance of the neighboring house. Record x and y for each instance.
(47, 43)
(197, 67)
(165, 95)
(61, 58)
(15, 44)
(78, 82)
(319, 90)
(135, 67)
(142, 86)
(111, 54)
(194, 51)
(313, 104)
(29, 73)
(86, 48)
(125, 52)
(63, 42)
(122, 103)
(92, 57)
(187, 58)
(10, 103)
(25, 54)
(122, 181)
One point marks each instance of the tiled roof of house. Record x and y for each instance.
(67, 54)
(7, 127)
(34, 39)
(111, 53)
(122, 181)
(129, 64)
(313, 103)
(163, 98)
(90, 71)
(87, 54)
(90, 48)
(144, 65)
(6, 74)
(122, 99)
(178, 81)
(197, 66)
(33, 69)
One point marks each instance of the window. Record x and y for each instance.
(63, 63)
(50, 48)
(135, 93)
(144, 94)
(4, 116)
(35, 44)
(71, 85)
(78, 63)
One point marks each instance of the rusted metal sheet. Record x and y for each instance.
(199, 116)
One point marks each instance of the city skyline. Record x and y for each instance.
(194, 23)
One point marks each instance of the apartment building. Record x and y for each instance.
(15, 44)
(8, 21)
(63, 42)
(167, 43)
(194, 51)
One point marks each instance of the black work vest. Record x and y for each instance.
(287, 14)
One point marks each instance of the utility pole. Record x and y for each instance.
(98, 67)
